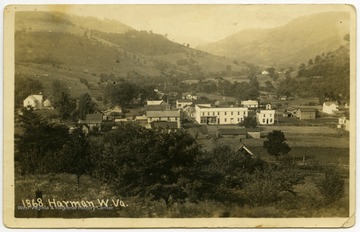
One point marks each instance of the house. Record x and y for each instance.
(306, 113)
(290, 112)
(93, 121)
(330, 107)
(34, 101)
(252, 104)
(48, 104)
(181, 103)
(207, 114)
(166, 115)
(113, 113)
(266, 116)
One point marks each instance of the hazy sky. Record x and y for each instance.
(196, 23)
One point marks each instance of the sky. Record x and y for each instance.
(202, 22)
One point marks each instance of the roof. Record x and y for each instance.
(165, 113)
(250, 102)
(142, 117)
(208, 106)
(155, 102)
(156, 107)
(164, 125)
(307, 110)
(93, 118)
(35, 97)
(244, 150)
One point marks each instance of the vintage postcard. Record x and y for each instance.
(179, 116)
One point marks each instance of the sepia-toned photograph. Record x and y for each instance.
(185, 115)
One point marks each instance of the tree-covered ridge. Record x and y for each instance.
(326, 76)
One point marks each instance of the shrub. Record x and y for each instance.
(330, 185)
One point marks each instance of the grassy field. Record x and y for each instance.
(63, 187)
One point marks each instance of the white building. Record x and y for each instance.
(207, 114)
(34, 101)
(330, 107)
(250, 104)
(164, 116)
(266, 117)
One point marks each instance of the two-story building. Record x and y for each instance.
(165, 115)
(208, 114)
(266, 116)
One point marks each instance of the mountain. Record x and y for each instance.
(60, 22)
(51, 45)
(287, 45)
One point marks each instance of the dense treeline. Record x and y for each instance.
(159, 165)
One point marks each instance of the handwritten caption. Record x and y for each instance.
(53, 204)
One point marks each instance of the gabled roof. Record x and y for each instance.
(244, 150)
(165, 113)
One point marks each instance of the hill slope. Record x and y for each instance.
(286, 45)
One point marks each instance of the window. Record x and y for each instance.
(208, 113)
(225, 114)
(263, 120)
(238, 119)
(168, 118)
(270, 115)
(264, 115)
(202, 113)
(213, 113)
(225, 120)
(231, 113)
(270, 120)
(218, 113)
(238, 112)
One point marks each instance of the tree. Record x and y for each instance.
(276, 145)
(249, 122)
(147, 163)
(122, 93)
(310, 62)
(61, 99)
(37, 146)
(75, 155)
(85, 106)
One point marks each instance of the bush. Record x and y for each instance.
(330, 185)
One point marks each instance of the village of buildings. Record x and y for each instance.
(222, 119)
